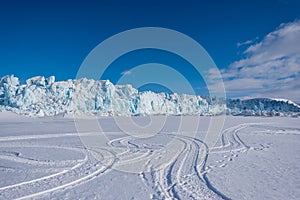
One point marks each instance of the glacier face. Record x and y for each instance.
(42, 96)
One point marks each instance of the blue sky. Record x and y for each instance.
(53, 38)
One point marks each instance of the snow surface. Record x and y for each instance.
(44, 158)
(42, 96)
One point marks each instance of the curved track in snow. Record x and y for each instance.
(72, 172)
(181, 175)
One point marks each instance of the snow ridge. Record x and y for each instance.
(42, 96)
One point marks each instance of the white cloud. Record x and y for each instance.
(271, 68)
(239, 44)
(127, 72)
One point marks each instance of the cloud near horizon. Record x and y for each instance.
(270, 68)
(127, 72)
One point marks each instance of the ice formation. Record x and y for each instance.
(42, 96)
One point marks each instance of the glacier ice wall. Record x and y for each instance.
(42, 96)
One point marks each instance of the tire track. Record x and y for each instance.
(99, 171)
(182, 177)
(84, 169)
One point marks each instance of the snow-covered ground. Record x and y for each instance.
(44, 158)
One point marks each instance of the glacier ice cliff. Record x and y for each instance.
(42, 96)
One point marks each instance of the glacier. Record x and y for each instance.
(42, 96)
